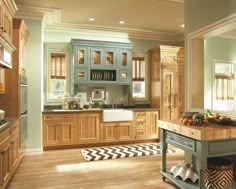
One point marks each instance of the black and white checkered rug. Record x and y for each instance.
(93, 154)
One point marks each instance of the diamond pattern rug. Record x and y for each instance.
(113, 152)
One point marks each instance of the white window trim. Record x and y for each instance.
(48, 52)
(147, 79)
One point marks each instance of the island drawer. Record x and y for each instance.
(181, 141)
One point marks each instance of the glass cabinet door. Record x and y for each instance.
(109, 58)
(124, 76)
(81, 75)
(81, 57)
(96, 57)
(124, 58)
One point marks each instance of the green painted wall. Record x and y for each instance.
(34, 70)
(198, 14)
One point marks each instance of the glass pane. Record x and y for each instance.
(124, 75)
(81, 74)
(138, 89)
(81, 56)
(109, 58)
(97, 57)
(124, 59)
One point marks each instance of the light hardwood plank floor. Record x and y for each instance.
(59, 169)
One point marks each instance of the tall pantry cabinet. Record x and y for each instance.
(11, 98)
(167, 81)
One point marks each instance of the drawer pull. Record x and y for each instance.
(188, 144)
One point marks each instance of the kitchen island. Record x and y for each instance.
(201, 141)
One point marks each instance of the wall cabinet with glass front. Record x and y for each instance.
(101, 61)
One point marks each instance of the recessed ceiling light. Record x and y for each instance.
(182, 25)
(122, 22)
(91, 19)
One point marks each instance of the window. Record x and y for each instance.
(57, 75)
(224, 74)
(139, 78)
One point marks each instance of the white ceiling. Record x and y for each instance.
(150, 17)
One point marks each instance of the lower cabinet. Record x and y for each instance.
(78, 128)
(152, 129)
(58, 129)
(140, 124)
(145, 124)
(116, 131)
(88, 125)
(9, 152)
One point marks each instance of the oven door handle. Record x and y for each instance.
(23, 115)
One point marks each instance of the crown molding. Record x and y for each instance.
(51, 18)
(116, 32)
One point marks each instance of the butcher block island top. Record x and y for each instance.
(201, 133)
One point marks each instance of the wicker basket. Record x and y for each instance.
(219, 174)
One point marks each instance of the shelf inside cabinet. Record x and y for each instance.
(102, 75)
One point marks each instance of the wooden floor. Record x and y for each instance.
(67, 169)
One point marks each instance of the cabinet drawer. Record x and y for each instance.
(139, 115)
(181, 141)
(139, 133)
(15, 127)
(4, 135)
(58, 116)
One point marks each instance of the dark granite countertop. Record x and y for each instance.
(94, 109)
(7, 122)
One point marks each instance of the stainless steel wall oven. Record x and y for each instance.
(23, 110)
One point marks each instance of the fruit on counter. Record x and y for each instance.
(213, 115)
(198, 119)
(190, 122)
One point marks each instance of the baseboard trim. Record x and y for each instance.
(33, 151)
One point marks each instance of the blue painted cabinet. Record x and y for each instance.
(101, 62)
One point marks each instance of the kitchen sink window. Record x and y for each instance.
(57, 75)
(224, 82)
(139, 78)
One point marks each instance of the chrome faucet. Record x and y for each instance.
(113, 105)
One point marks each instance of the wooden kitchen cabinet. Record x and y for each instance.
(152, 128)
(5, 157)
(140, 124)
(117, 131)
(88, 130)
(58, 129)
(7, 12)
(10, 101)
(2, 81)
(145, 124)
(167, 80)
(172, 84)
(9, 152)
(20, 38)
(7, 8)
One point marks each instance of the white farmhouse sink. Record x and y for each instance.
(110, 115)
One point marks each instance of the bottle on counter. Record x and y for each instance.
(65, 104)
(90, 102)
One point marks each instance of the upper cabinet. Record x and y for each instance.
(7, 11)
(101, 62)
(20, 38)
